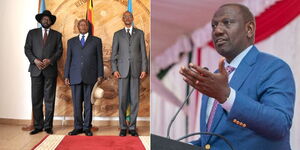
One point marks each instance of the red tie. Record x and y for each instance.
(45, 37)
(229, 70)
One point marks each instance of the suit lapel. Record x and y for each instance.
(132, 34)
(244, 69)
(88, 40)
(203, 127)
(49, 38)
(40, 35)
(124, 35)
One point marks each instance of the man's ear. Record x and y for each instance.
(250, 28)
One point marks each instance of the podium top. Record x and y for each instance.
(162, 143)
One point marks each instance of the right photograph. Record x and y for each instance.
(224, 74)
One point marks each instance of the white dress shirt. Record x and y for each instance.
(85, 36)
(130, 30)
(43, 31)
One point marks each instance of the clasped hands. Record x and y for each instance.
(214, 85)
(42, 64)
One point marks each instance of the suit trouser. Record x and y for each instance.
(128, 94)
(43, 88)
(82, 93)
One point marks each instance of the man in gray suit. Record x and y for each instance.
(84, 66)
(43, 48)
(129, 65)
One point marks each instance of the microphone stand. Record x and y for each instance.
(173, 119)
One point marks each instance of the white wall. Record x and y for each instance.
(17, 18)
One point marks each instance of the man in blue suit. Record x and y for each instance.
(250, 98)
(84, 66)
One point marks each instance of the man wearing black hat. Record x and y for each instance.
(43, 48)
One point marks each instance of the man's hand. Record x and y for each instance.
(143, 75)
(100, 79)
(117, 75)
(46, 63)
(67, 81)
(211, 84)
(39, 64)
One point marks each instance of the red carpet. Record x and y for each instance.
(96, 143)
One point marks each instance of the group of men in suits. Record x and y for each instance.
(83, 68)
(250, 99)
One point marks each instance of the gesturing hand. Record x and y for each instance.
(211, 84)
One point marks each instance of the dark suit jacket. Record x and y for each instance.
(84, 64)
(127, 53)
(35, 49)
(265, 98)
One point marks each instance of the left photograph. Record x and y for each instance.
(81, 72)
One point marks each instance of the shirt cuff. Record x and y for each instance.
(227, 105)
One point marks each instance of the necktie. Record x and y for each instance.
(229, 70)
(128, 33)
(45, 37)
(82, 40)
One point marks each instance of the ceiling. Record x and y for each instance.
(172, 18)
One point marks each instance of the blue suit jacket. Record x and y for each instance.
(265, 95)
(84, 63)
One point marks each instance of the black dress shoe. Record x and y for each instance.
(35, 131)
(88, 132)
(75, 132)
(49, 131)
(133, 133)
(123, 132)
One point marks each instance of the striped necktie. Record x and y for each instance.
(229, 70)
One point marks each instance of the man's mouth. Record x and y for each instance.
(220, 41)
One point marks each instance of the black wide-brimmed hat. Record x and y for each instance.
(38, 17)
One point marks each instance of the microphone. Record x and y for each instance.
(180, 108)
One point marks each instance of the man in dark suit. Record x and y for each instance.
(129, 65)
(43, 48)
(84, 66)
(250, 98)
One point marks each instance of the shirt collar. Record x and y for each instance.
(130, 29)
(85, 35)
(44, 29)
(237, 60)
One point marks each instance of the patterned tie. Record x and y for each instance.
(128, 33)
(45, 37)
(229, 70)
(82, 40)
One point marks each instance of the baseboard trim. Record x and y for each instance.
(68, 121)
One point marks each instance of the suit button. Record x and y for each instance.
(207, 146)
(82, 63)
(241, 123)
(234, 120)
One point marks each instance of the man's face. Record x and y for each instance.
(46, 22)
(83, 27)
(229, 32)
(127, 18)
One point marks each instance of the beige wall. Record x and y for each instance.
(17, 17)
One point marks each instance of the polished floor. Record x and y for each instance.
(12, 137)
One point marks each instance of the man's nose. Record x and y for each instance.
(218, 30)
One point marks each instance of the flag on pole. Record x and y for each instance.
(129, 8)
(90, 17)
(42, 7)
